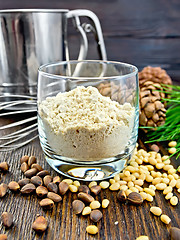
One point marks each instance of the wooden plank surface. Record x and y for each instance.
(120, 221)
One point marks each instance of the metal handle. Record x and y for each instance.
(84, 28)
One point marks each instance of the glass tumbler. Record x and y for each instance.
(88, 114)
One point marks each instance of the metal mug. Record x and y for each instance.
(32, 37)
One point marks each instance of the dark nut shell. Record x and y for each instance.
(23, 182)
(41, 191)
(121, 196)
(7, 219)
(28, 188)
(175, 233)
(84, 188)
(37, 166)
(46, 203)
(52, 187)
(56, 179)
(24, 158)
(86, 198)
(96, 190)
(24, 167)
(3, 237)
(47, 179)
(55, 197)
(135, 198)
(4, 166)
(43, 173)
(13, 186)
(3, 189)
(78, 206)
(31, 160)
(95, 215)
(63, 188)
(36, 180)
(40, 224)
(31, 172)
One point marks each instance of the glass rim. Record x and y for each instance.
(128, 75)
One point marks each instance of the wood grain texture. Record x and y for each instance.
(139, 32)
(120, 221)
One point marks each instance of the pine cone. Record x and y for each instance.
(152, 110)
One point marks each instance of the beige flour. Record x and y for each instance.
(83, 124)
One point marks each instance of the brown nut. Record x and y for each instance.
(56, 179)
(37, 166)
(31, 172)
(95, 215)
(175, 233)
(37, 181)
(3, 237)
(24, 167)
(23, 182)
(135, 198)
(55, 197)
(41, 191)
(4, 166)
(121, 196)
(154, 148)
(28, 188)
(78, 206)
(84, 188)
(96, 189)
(40, 224)
(31, 160)
(52, 187)
(13, 186)
(46, 203)
(43, 173)
(3, 189)
(47, 179)
(24, 158)
(86, 198)
(7, 219)
(63, 188)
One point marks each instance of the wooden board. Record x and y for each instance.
(120, 221)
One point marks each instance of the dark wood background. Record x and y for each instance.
(140, 32)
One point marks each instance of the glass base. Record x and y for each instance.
(88, 172)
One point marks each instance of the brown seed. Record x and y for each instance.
(36, 180)
(52, 187)
(86, 198)
(31, 172)
(4, 166)
(56, 179)
(95, 215)
(28, 188)
(43, 173)
(63, 188)
(37, 166)
(41, 191)
(96, 189)
(3, 189)
(55, 197)
(175, 233)
(23, 182)
(14, 186)
(47, 179)
(31, 160)
(78, 206)
(46, 203)
(40, 224)
(135, 198)
(121, 196)
(3, 237)
(84, 188)
(154, 148)
(24, 167)
(7, 219)
(24, 158)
